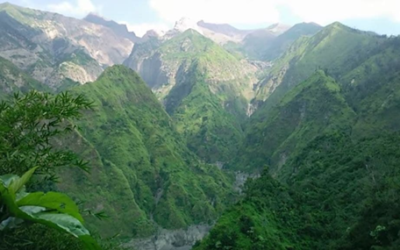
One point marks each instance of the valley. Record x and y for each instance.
(208, 137)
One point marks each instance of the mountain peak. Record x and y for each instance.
(119, 29)
(5, 4)
(95, 15)
(186, 23)
(278, 28)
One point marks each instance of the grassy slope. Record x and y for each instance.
(308, 110)
(336, 48)
(283, 41)
(143, 170)
(210, 131)
(340, 189)
(342, 195)
(208, 100)
(354, 58)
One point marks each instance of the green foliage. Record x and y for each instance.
(14, 80)
(279, 45)
(333, 147)
(52, 209)
(340, 194)
(312, 107)
(203, 83)
(37, 237)
(142, 169)
(30, 124)
(200, 117)
(336, 48)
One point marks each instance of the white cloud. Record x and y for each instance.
(141, 29)
(218, 11)
(77, 8)
(325, 12)
(268, 11)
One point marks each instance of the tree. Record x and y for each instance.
(29, 127)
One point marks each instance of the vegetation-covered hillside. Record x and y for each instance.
(330, 155)
(311, 112)
(203, 87)
(337, 185)
(143, 174)
(311, 108)
(14, 80)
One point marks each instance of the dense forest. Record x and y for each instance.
(207, 137)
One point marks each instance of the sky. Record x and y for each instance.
(381, 16)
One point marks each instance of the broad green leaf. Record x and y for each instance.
(64, 222)
(52, 209)
(52, 201)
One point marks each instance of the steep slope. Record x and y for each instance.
(143, 174)
(225, 29)
(14, 80)
(339, 189)
(342, 195)
(190, 67)
(255, 43)
(310, 109)
(281, 43)
(53, 48)
(336, 48)
(210, 130)
(222, 33)
(119, 29)
(366, 89)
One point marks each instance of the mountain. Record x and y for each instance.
(281, 43)
(225, 29)
(198, 81)
(185, 24)
(55, 49)
(308, 110)
(143, 176)
(119, 29)
(255, 43)
(334, 189)
(347, 62)
(336, 48)
(278, 28)
(14, 80)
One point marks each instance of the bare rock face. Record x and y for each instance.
(119, 29)
(52, 47)
(164, 63)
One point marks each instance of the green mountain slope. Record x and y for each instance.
(338, 189)
(281, 43)
(342, 195)
(311, 108)
(143, 174)
(204, 88)
(336, 48)
(14, 80)
(210, 131)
